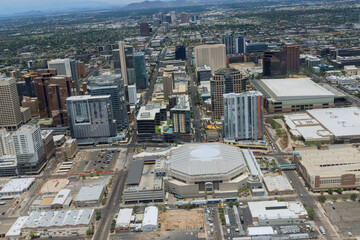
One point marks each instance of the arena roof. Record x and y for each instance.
(206, 159)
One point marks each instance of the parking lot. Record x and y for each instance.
(345, 215)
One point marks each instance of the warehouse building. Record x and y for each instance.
(277, 213)
(293, 94)
(16, 186)
(196, 169)
(89, 196)
(334, 167)
(150, 221)
(278, 185)
(123, 220)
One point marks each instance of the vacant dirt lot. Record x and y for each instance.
(182, 220)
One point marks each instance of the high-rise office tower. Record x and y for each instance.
(123, 62)
(62, 66)
(144, 29)
(180, 115)
(6, 143)
(113, 85)
(211, 55)
(10, 114)
(228, 39)
(168, 85)
(129, 61)
(168, 18)
(140, 70)
(183, 17)
(29, 149)
(116, 59)
(180, 52)
(173, 16)
(75, 74)
(243, 116)
(240, 44)
(274, 63)
(91, 117)
(292, 52)
(52, 92)
(225, 80)
(132, 94)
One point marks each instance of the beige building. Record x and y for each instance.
(31, 103)
(225, 80)
(168, 85)
(10, 114)
(26, 114)
(333, 167)
(69, 149)
(211, 55)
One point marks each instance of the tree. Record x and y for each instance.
(345, 197)
(310, 212)
(322, 192)
(321, 198)
(334, 198)
(98, 215)
(32, 235)
(339, 190)
(330, 191)
(353, 196)
(83, 177)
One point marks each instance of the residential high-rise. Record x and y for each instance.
(113, 85)
(225, 80)
(243, 116)
(75, 74)
(144, 29)
(228, 39)
(274, 63)
(52, 92)
(6, 143)
(8, 161)
(183, 17)
(168, 84)
(91, 118)
(211, 55)
(180, 115)
(10, 114)
(292, 52)
(180, 52)
(140, 70)
(29, 149)
(240, 44)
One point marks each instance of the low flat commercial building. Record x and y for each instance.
(123, 220)
(339, 124)
(16, 186)
(142, 185)
(89, 196)
(277, 213)
(58, 223)
(62, 199)
(334, 167)
(278, 185)
(150, 221)
(15, 230)
(260, 231)
(293, 95)
(8, 166)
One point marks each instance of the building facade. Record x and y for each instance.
(240, 44)
(243, 116)
(144, 29)
(274, 63)
(228, 39)
(225, 80)
(292, 52)
(211, 55)
(140, 70)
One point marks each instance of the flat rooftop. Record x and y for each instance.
(276, 210)
(92, 193)
(277, 183)
(16, 185)
(148, 181)
(293, 89)
(342, 159)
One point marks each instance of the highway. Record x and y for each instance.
(195, 109)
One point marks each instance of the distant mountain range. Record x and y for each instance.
(161, 4)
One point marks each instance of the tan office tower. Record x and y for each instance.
(10, 114)
(168, 85)
(211, 55)
(292, 52)
(225, 80)
(123, 62)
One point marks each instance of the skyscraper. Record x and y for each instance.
(10, 114)
(183, 17)
(129, 61)
(75, 74)
(6, 143)
(91, 118)
(168, 85)
(173, 16)
(240, 44)
(52, 92)
(67, 67)
(211, 55)
(228, 39)
(274, 63)
(116, 59)
(140, 70)
(292, 52)
(123, 62)
(243, 116)
(144, 29)
(111, 84)
(29, 149)
(180, 115)
(180, 52)
(225, 80)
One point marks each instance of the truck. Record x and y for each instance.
(322, 230)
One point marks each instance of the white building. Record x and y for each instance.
(29, 149)
(89, 196)
(342, 80)
(62, 199)
(351, 70)
(278, 185)
(123, 219)
(277, 213)
(243, 116)
(260, 231)
(150, 220)
(15, 230)
(6, 143)
(62, 66)
(132, 94)
(16, 186)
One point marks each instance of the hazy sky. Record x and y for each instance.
(13, 6)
